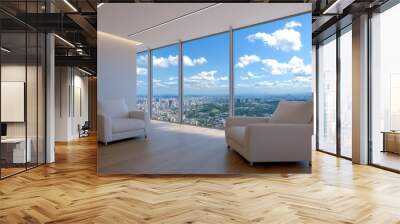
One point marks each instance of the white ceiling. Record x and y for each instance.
(122, 19)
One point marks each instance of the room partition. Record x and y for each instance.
(22, 76)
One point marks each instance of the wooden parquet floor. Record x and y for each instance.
(182, 149)
(70, 191)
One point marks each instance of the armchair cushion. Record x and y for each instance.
(127, 124)
(243, 121)
(114, 108)
(293, 112)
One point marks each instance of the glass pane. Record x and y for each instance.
(41, 98)
(13, 86)
(31, 98)
(272, 63)
(165, 84)
(385, 86)
(346, 94)
(142, 81)
(206, 81)
(327, 96)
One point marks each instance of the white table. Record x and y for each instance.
(20, 155)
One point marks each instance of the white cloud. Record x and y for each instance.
(140, 83)
(295, 65)
(165, 62)
(141, 71)
(295, 83)
(298, 82)
(206, 79)
(246, 60)
(293, 24)
(243, 85)
(170, 83)
(205, 75)
(142, 60)
(285, 39)
(250, 75)
(195, 61)
(157, 82)
(172, 78)
(264, 84)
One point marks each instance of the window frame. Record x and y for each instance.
(231, 82)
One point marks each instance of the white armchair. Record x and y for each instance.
(116, 122)
(285, 137)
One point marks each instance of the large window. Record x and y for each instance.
(142, 81)
(272, 63)
(165, 103)
(206, 81)
(385, 89)
(327, 95)
(346, 92)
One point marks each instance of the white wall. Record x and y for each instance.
(12, 73)
(68, 81)
(61, 104)
(116, 69)
(80, 82)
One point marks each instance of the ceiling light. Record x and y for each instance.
(65, 41)
(175, 19)
(70, 5)
(84, 71)
(99, 5)
(115, 37)
(5, 50)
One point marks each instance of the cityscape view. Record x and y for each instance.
(211, 111)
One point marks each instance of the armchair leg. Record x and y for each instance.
(145, 136)
(310, 163)
(228, 146)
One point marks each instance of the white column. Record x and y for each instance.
(50, 99)
(314, 91)
(360, 90)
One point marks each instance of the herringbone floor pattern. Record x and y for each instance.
(69, 191)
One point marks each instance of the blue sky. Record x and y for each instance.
(270, 58)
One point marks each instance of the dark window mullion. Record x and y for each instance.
(338, 93)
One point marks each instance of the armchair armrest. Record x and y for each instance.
(283, 141)
(243, 121)
(142, 116)
(138, 115)
(104, 132)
